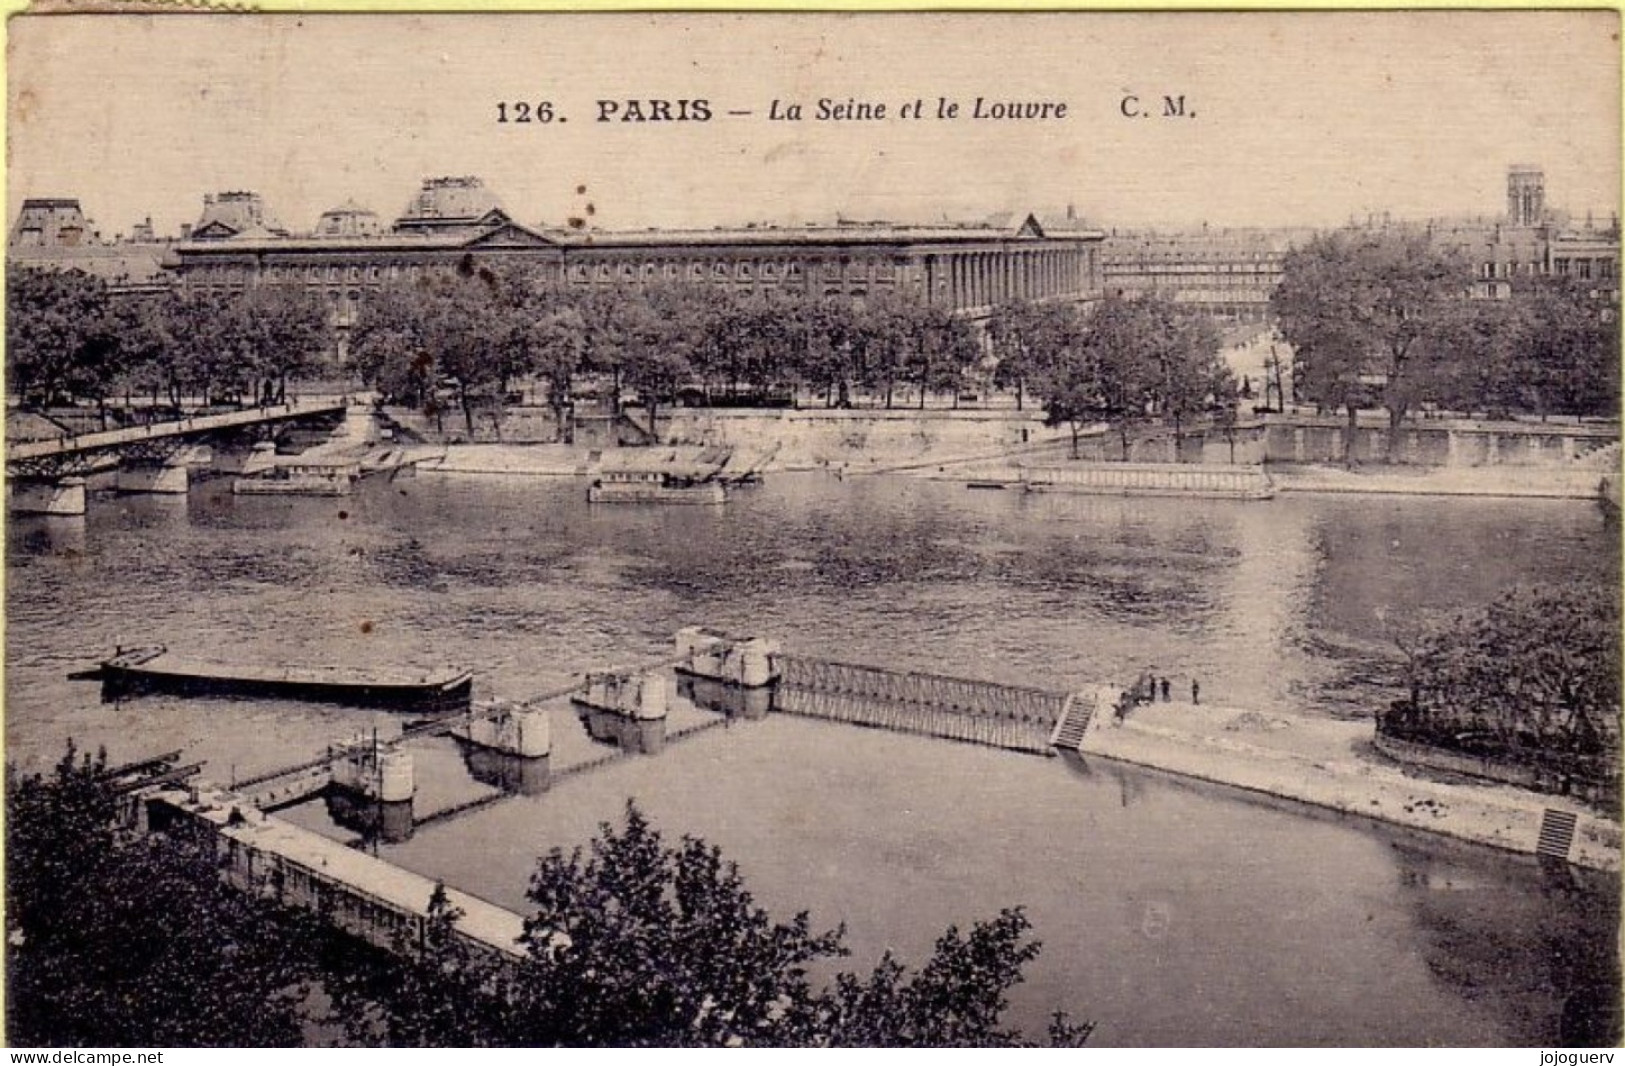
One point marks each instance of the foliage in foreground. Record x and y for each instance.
(116, 939)
(641, 943)
(1534, 678)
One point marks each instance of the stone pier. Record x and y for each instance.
(373, 771)
(48, 496)
(512, 729)
(626, 708)
(750, 662)
(168, 480)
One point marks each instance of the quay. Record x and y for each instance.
(364, 896)
(133, 672)
(1278, 757)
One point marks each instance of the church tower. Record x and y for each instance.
(1526, 195)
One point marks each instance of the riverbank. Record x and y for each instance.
(1557, 482)
(563, 460)
(1330, 763)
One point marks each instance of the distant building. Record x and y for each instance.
(1532, 240)
(232, 214)
(969, 268)
(53, 234)
(1227, 274)
(1526, 195)
(50, 223)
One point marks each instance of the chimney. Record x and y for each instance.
(186, 231)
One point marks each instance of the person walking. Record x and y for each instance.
(1196, 691)
(1165, 690)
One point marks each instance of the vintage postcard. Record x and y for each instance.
(787, 529)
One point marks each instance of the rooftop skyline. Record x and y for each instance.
(1420, 115)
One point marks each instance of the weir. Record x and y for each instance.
(1013, 717)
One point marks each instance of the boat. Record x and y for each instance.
(137, 671)
(300, 479)
(653, 486)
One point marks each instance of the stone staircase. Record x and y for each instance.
(1074, 722)
(1604, 458)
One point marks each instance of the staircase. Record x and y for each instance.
(1556, 834)
(1073, 723)
(1605, 456)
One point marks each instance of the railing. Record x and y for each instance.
(112, 438)
(1012, 717)
(960, 695)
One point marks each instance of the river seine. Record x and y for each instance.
(1170, 913)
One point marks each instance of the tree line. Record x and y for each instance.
(463, 342)
(1375, 318)
(1124, 363)
(1385, 318)
(120, 939)
(477, 332)
(69, 338)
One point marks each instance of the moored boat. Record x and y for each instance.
(300, 479)
(650, 486)
(137, 671)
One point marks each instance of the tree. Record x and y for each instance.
(1027, 338)
(115, 939)
(944, 348)
(558, 344)
(471, 331)
(1570, 348)
(1534, 675)
(388, 345)
(1363, 310)
(278, 332)
(57, 336)
(1133, 361)
(637, 943)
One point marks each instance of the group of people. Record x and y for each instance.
(1146, 689)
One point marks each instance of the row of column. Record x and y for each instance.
(977, 279)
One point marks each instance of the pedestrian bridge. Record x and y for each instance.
(56, 456)
(47, 476)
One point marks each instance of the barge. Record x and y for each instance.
(138, 671)
(651, 486)
(300, 479)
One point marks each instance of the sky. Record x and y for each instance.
(1290, 118)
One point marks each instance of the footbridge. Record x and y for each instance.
(1012, 717)
(47, 475)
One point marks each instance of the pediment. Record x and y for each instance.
(1030, 227)
(509, 234)
(214, 231)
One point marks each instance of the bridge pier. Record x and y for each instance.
(373, 771)
(749, 662)
(166, 480)
(626, 708)
(47, 496)
(512, 730)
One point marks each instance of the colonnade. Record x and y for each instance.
(983, 278)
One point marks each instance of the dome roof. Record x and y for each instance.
(449, 201)
(348, 219)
